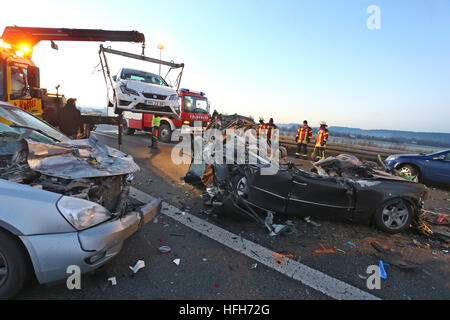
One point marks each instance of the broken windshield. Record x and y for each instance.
(14, 122)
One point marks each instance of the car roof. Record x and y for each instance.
(137, 70)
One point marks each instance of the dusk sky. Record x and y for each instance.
(290, 60)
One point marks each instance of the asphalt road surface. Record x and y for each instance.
(212, 266)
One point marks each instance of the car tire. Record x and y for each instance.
(165, 133)
(408, 169)
(240, 185)
(14, 266)
(394, 216)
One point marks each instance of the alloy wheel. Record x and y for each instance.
(395, 215)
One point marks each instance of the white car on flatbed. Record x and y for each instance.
(144, 92)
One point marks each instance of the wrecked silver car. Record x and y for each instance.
(63, 202)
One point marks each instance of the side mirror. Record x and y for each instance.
(33, 77)
(114, 78)
(439, 158)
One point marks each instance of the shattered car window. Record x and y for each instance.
(14, 122)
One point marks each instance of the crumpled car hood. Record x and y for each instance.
(77, 159)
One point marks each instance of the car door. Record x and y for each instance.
(439, 168)
(270, 191)
(320, 196)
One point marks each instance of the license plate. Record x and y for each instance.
(154, 103)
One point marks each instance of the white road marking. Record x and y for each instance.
(315, 279)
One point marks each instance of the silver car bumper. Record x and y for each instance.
(52, 254)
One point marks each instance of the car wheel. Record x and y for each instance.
(408, 170)
(14, 266)
(241, 186)
(394, 216)
(165, 133)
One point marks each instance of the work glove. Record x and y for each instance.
(296, 139)
(323, 143)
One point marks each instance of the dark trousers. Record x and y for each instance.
(155, 137)
(302, 147)
(318, 153)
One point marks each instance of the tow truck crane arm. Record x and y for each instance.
(32, 36)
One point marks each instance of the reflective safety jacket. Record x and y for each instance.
(322, 137)
(304, 133)
(270, 128)
(156, 121)
(261, 129)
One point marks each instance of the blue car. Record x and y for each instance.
(429, 168)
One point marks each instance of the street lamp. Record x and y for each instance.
(160, 47)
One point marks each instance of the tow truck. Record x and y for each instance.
(20, 77)
(194, 106)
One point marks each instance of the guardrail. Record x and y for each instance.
(362, 152)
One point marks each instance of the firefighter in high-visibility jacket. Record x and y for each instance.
(304, 134)
(321, 142)
(260, 130)
(156, 121)
(270, 130)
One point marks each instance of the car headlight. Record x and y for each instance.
(125, 90)
(173, 97)
(82, 214)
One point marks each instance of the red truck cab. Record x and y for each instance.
(193, 106)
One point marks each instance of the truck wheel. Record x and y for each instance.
(394, 216)
(14, 266)
(165, 133)
(128, 131)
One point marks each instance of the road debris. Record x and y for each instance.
(340, 250)
(324, 250)
(407, 245)
(177, 261)
(351, 244)
(383, 273)
(394, 258)
(138, 266)
(253, 266)
(435, 217)
(278, 255)
(177, 235)
(113, 281)
(308, 220)
(164, 249)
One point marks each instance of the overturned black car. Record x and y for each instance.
(340, 188)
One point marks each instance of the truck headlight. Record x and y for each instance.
(82, 214)
(173, 97)
(128, 91)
